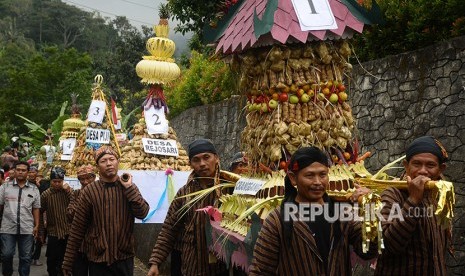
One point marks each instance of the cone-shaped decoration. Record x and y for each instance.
(94, 134)
(159, 67)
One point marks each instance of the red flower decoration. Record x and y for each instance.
(295, 167)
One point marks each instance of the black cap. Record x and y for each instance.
(57, 173)
(200, 146)
(427, 144)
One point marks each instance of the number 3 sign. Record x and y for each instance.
(156, 121)
(96, 111)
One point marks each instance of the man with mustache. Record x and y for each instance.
(186, 232)
(307, 246)
(415, 245)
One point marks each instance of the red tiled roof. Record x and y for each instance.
(239, 35)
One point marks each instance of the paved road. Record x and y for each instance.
(139, 268)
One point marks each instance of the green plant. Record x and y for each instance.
(126, 118)
(207, 80)
(409, 25)
(164, 11)
(37, 133)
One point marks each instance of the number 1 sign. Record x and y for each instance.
(314, 15)
(156, 121)
(96, 111)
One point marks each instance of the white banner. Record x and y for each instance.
(248, 186)
(68, 145)
(151, 185)
(160, 146)
(314, 15)
(155, 120)
(96, 111)
(66, 157)
(96, 135)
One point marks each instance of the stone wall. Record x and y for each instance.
(399, 98)
(395, 100)
(220, 122)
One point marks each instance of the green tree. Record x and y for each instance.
(207, 80)
(194, 15)
(409, 25)
(36, 89)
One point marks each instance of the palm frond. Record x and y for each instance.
(199, 195)
(245, 214)
(382, 171)
(32, 124)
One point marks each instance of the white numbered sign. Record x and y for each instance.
(156, 121)
(96, 111)
(68, 145)
(314, 15)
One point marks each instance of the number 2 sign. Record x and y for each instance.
(156, 121)
(96, 111)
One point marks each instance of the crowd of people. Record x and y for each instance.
(90, 231)
(414, 245)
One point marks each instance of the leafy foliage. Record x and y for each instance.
(410, 25)
(49, 49)
(45, 78)
(37, 132)
(164, 11)
(194, 14)
(206, 81)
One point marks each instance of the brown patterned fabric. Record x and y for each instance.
(55, 202)
(187, 234)
(415, 246)
(104, 222)
(73, 205)
(275, 254)
(104, 150)
(85, 169)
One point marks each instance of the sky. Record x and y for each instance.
(138, 12)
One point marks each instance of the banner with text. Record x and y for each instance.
(160, 146)
(248, 186)
(96, 135)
